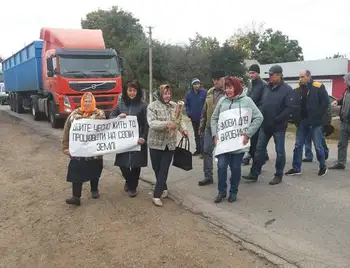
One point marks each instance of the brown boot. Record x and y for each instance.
(73, 201)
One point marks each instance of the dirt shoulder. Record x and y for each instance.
(39, 230)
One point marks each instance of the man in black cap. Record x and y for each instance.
(255, 93)
(276, 107)
(213, 96)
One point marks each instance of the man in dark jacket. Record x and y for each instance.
(311, 106)
(344, 135)
(276, 107)
(194, 103)
(255, 93)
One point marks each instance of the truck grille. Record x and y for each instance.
(92, 86)
(98, 99)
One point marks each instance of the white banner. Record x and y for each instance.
(232, 125)
(93, 137)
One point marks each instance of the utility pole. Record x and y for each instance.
(150, 56)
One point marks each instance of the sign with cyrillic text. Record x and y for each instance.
(93, 137)
(232, 126)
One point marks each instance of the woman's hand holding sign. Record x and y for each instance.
(245, 139)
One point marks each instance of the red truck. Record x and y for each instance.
(49, 77)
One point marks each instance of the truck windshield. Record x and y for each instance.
(72, 66)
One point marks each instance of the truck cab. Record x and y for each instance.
(49, 77)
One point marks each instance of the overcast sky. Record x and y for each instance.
(321, 27)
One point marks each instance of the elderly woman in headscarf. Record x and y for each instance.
(162, 138)
(83, 169)
(130, 163)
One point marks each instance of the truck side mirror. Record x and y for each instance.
(121, 62)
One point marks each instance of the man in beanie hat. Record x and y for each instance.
(276, 107)
(194, 103)
(344, 135)
(213, 96)
(255, 93)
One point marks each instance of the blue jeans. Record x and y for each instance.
(235, 162)
(308, 147)
(316, 136)
(263, 141)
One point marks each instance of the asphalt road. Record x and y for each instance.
(303, 222)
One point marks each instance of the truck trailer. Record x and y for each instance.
(49, 77)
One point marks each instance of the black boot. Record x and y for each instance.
(220, 197)
(276, 180)
(126, 189)
(132, 193)
(205, 182)
(95, 194)
(73, 201)
(337, 166)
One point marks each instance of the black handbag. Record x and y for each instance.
(182, 155)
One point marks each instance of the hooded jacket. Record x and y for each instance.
(238, 102)
(138, 108)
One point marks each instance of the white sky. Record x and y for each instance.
(321, 27)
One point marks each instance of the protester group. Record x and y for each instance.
(231, 126)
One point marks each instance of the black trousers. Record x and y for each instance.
(197, 137)
(253, 143)
(161, 161)
(78, 186)
(131, 176)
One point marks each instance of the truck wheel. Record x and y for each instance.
(37, 115)
(11, 101)
(54, 121)
(18, 104)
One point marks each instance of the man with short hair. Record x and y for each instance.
(311, 102)
(213, 96)
(344, 136)
(194, 103)
(276, 107)
(255, 93)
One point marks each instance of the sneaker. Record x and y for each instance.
(337, 166)
(157, 202)
(292, 172)
(95, 194)
(165, 194)
(219, 197)
(276, 180)
(306, 160)
(205, 182)
(250, 177)
(73, 201)
(322, 171)
(232, 197)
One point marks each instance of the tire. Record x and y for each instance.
(37, 115)
(54, 121)
(18, 104)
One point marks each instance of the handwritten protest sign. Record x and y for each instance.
(232, 125)
(92, 137)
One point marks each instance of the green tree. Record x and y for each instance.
(267, 46)
(337, 55)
